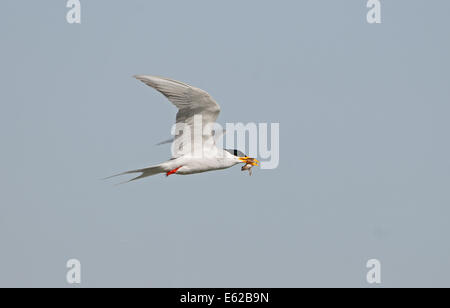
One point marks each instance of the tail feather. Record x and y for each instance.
(146, 172)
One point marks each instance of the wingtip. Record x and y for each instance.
(144, 78)
(165, 141)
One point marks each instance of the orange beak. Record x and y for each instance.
(249, 160)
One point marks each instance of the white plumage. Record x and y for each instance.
(192, 153)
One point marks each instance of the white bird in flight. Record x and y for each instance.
(190, 154)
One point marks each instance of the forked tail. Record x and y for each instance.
(145, 173)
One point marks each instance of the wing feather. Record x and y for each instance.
(190, 101)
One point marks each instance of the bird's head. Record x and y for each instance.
(242, 158)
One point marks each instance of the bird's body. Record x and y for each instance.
(191, 164)
(193, 152)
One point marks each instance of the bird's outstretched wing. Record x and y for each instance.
(191, 102)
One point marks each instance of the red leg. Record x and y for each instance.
(173, 171)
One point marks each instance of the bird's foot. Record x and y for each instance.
(172, 171)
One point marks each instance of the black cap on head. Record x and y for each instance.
(236, 153)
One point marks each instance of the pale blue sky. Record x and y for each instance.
(364, 154)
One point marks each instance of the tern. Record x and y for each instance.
(191, 155)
